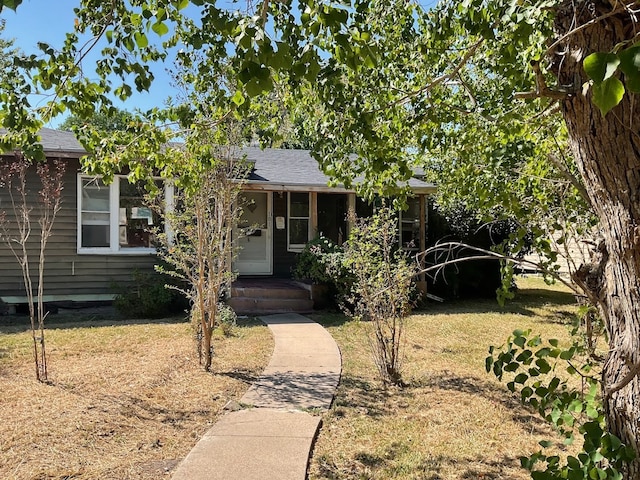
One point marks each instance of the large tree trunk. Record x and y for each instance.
(607, 152)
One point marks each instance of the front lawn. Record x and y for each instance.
(453, 421)
(127, 399)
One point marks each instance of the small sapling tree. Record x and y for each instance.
(202, 219)
(382, 287)
(15, 231)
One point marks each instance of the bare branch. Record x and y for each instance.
(449, 251)
(265, 9)
(569, 176)
(442, 78)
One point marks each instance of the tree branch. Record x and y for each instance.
(633, 372)
(569, 176)
(542, 90)
(442, 78)
(617, 9)
(448, 249)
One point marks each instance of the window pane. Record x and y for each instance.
(299, 205)
(410, 227)
(95, 235)
(254, 210)
(95, 195)
(298, 231)
(94, 214)
(135, 219)
(413, 212)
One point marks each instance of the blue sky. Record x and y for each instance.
(48, 21)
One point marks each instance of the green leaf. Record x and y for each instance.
(592, 412)
(488, 363)
(12, 4)
(238, 98)
(160, 28)
(521, 378)
(607, 95)
(141, 39)
(253, 87)
(601, 66)
(511, 367)
(543, 365)
(630, 66)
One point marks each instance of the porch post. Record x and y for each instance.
(313, 205)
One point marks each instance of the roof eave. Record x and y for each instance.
(275, 187)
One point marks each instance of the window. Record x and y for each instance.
(298, 231)
(114, 218)
(410, 225)
(408, 220)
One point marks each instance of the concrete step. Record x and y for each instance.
(258, 305)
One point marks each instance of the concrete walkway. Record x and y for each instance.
(271, 437)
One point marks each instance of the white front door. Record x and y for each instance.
(254, 257)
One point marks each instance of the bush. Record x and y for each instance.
(148, 297)
(227, 319)
(322, 262)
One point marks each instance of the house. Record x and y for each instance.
(101, 234)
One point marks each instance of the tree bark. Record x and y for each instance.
(607, 152)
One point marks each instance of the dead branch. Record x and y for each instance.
(447, 254)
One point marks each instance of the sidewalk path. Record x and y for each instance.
(271, 437)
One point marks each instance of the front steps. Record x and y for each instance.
(268, 296)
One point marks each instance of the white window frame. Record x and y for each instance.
(114, 213)
(297, 247)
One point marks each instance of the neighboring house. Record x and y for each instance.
(101, 235)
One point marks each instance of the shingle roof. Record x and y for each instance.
(60, 141)
(281, 168)
(274, 168)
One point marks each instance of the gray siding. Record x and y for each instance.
(66, 272)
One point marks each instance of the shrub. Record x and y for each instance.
(147, 297)
(227, 319)
(322, 262)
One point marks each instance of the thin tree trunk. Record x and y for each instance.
(607, 152)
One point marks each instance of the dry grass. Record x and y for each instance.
(127, 401)
(454, 421)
